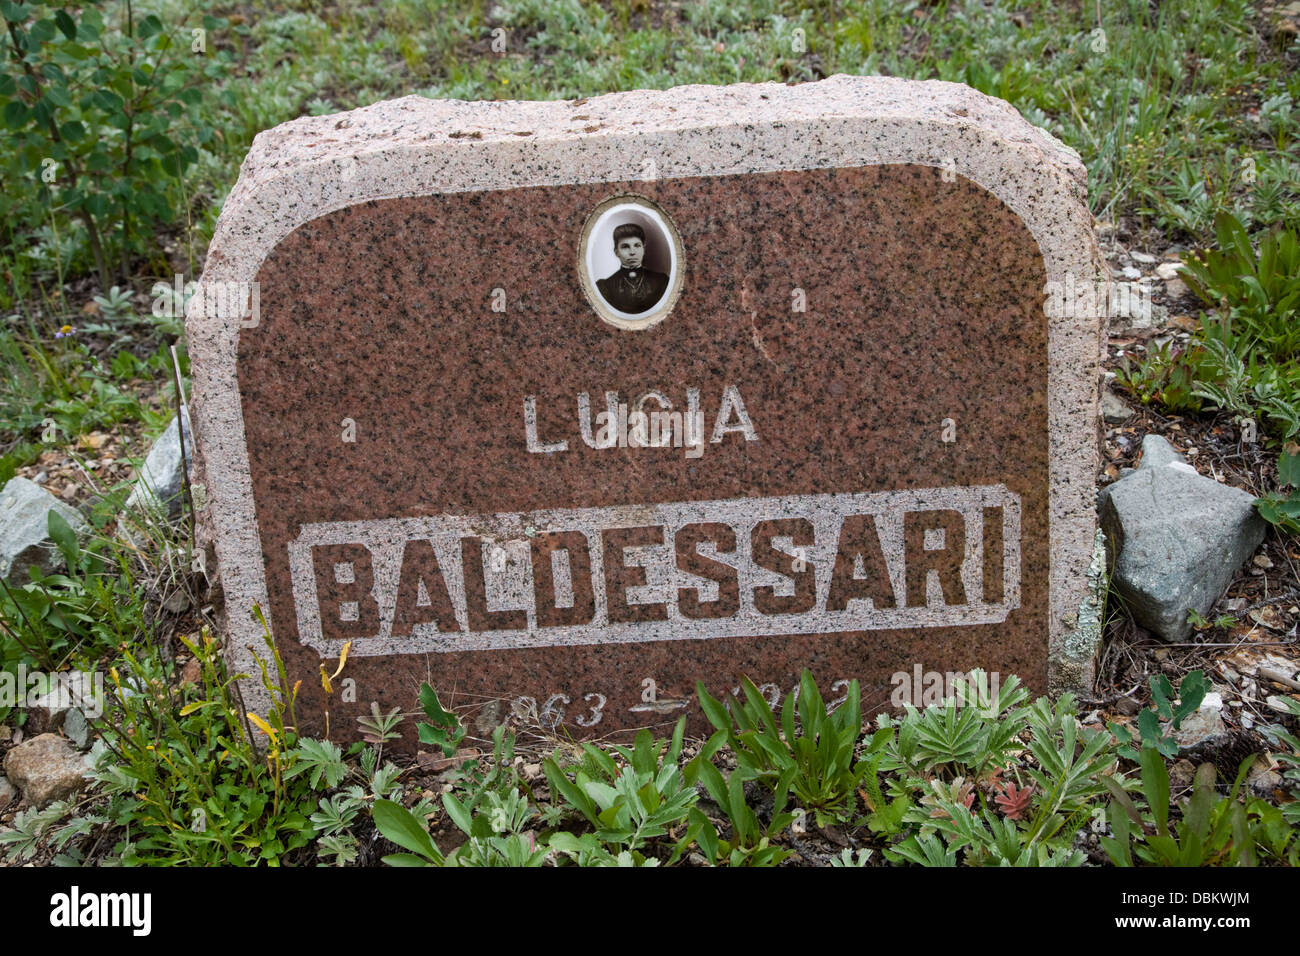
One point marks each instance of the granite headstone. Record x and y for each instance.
(573, 404)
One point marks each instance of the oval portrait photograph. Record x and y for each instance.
(630, 260)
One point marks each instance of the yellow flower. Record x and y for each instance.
(264, 727)
(325, 679)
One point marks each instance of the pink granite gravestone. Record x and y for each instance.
(573, 404)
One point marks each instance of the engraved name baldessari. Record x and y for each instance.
(794, 564)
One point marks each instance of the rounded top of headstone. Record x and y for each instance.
(418, 119)
(412, 146)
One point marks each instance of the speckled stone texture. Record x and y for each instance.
(920, 222)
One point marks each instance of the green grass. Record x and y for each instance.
(1179, 114)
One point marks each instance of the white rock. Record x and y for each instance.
(1113, 409)
(160, 483)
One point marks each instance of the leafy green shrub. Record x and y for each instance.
(945, 741)
(815, 757)
(1274, 831)
(1212, 831)
(969, 734)
(54, 389)
(1257, 295)
(1030, 821)
(632, 796)
(188, 781)
(33, 827)
(750, 843)
(587, 850)
(89, 609)
(338, 813)
(1245, 359)
(102, 118)
(1165, 375)
(494, 834)
(1252, 345)
(986, 839)
(1251, 387)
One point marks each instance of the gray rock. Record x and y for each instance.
(1174, 539)
(7, 792)
(1156, 451)
(24, 529)
(1113, 409)
(45, 769)
(76, 728)
(1263, 780)
(1204, 728)
(159, 485)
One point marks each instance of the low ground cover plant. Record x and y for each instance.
(983, 780)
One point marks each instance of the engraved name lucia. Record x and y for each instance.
(664, 426)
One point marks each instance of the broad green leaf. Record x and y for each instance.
(67, 26)
(433, 709)
(1155, 784)
(61, 534)
(399, 825)
(713, 709)
(459, 813)
(1148, 726)
(1288, 469)
(1191, 692)
(15, 114)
